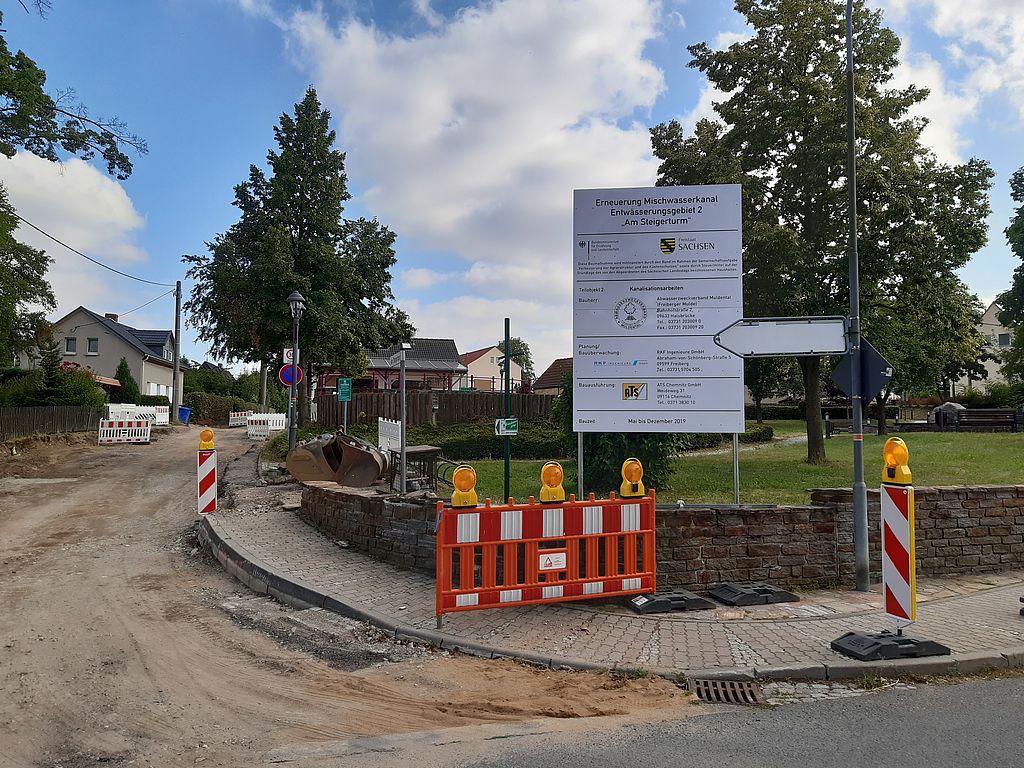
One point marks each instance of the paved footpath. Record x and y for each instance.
(268, 547)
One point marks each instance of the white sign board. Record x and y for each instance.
(287, 355)
(389, 435)
(553, 561)
(784, 336)
(657, 273)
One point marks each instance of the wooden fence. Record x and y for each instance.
(452, 407)
(47, 419)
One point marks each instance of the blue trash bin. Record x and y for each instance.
(183, 414)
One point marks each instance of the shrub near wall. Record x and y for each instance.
(214, 409)
(476, 440)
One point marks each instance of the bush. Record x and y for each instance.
(698, 441)
(213, 409)
(128, 392)
(995, 395)
(154, 400)
(796, 412)
(19, 389)
(758, 433)
(78, 387)
(211, 381)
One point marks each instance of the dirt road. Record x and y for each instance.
(120, 642)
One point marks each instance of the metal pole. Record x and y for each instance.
(344, 419)
(736, 469)
(860, 491)
(508, 412)
(579, 463)
(175, 380)
(292, 389)
(401, 389)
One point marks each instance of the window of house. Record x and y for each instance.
(93, 347)
(70, 345)
(1004, 339)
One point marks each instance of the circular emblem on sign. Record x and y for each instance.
(630, 313)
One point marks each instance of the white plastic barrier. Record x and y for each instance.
(389, 434)
(124, 431)
(238, 418)
(163, 415)
(260, 426)
(160, 415)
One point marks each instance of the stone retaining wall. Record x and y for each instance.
(959, 530)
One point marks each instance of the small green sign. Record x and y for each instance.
(506, 427)
(344, 390)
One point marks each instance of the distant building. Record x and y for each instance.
(98, 342)
(998, 339)
(550, 382)
(483, 372)
(430, 364)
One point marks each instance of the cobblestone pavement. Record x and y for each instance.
(970, 615)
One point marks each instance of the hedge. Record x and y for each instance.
(214, 409)
(796, 412)
(154, 400)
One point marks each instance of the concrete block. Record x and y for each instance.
(969, 663)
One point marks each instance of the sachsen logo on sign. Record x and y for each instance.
(668, 245)
(630, 313)
(634, 391)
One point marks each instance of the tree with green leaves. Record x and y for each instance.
(520, 354)
(128, 392)
(292, 235)
(1011, 302)
(767, 377)
(25, 294)
(781, 132)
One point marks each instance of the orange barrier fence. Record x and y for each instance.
(525, 554)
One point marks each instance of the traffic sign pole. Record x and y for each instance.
(508, 413)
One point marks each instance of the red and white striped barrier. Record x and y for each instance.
(260, 426)
(527, 554)
(114, 431)
(899, 580)
(207, 485)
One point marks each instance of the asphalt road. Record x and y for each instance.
(978, 723)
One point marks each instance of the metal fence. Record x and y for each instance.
(47, 419)
(431, 407)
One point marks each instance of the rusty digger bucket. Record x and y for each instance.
(340, 458)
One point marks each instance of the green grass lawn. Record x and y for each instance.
(777, 474)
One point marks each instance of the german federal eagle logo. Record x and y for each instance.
(668, 245)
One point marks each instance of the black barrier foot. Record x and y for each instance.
(751, 594)
(1022, 609)
(885, 645)
(680, 600)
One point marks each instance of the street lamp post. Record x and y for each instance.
(402, 414)
(296, 303)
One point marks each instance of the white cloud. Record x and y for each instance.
(432, 17)
(88, 210)
(420, 278)
(473, 135)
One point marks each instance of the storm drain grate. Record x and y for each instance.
(726, 691)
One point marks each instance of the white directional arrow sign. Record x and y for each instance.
(784, 336)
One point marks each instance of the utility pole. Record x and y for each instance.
(508, 411)
(176, 377)
(860, 491)
(403, 472)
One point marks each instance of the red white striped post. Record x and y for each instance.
(206, 463)
(899, 578)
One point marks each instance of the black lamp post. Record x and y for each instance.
(296, 303)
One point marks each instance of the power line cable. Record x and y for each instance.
(90, 258)
(122, 314)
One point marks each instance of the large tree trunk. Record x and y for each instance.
(305, 395)
(810, 367)
(757, 410)
(263, 383)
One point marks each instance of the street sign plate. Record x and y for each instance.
(344, 390)
(875, 372)
(506, 427)
(287, 355)
(553, 560)
(779, 336)
(287, 373)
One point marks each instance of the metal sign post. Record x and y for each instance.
(736, 468)
(508, 413)
(344, 396)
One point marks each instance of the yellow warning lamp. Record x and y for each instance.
(896, 456)
(206, 440)
(551, 476)
(464, 480)
(632, 479)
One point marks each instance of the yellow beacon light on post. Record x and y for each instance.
(206, 440)
(464, 480)
(896, 457)
(551, 476)
(632, 479)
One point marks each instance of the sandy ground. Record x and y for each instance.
(122, 644)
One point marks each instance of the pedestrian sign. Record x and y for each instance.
(506, 427)
(290, 374)
(344, 390)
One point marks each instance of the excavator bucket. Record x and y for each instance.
(341, 458)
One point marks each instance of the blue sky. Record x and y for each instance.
(467, 125)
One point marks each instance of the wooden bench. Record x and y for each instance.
(845, 426)
(988, 419)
